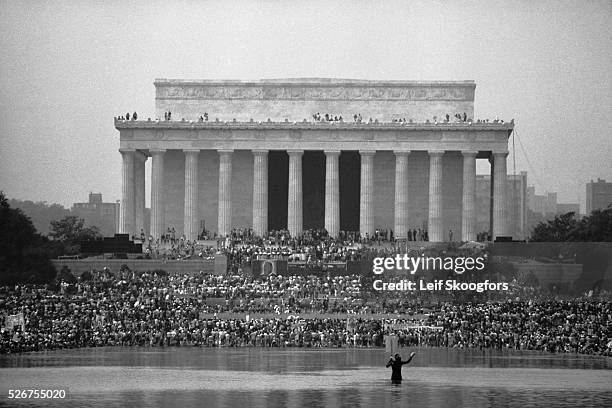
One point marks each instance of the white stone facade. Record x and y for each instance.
(412, 175)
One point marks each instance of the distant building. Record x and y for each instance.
(98, 213)
(541, 208)
(545, 205)
(516, 193)
(598, 195)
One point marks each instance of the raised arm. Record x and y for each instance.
(390, 363)
(409, 358)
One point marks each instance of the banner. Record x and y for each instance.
(391, 345)
(409, 326)
(15, 320)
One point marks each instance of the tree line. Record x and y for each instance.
(595, 227)
(25, 254)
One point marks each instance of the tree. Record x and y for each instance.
(596, 227)
(17, 232)
(66, 275)
(562, 228)
(86, 276)
(501, 270)
(531, 280)
(40, 213)
(70, 231)
(23, 252)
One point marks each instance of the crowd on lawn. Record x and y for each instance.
(155, 309)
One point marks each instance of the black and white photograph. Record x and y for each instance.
(306, 204)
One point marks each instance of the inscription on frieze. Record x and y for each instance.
(295, 134)
(273, 92)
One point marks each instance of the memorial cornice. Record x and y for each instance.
(172, 135)
(311, 82)
(381, 126)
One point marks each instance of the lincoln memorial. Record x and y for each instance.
(265, 157)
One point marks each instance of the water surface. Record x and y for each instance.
(186, 377)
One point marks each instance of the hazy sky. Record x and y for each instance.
(68, 67)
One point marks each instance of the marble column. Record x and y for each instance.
(126, 214)
(435, 229)
(139, 193)
(294, 206)
(400, 228)
(468, 215)
(500, 216)
(260, 192)
(190, 215)
(366, 196)
(157, 193)
(491, 184)
(332, 192)
(224, 225)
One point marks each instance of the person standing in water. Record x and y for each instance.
(396, 364)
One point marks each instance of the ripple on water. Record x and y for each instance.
(312, 378)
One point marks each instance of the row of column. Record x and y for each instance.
(435, 218)
(133, 175)
(132, 208)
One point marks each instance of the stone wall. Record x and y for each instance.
(299, 99)
(550, 274)
(208, 188)
(384, 189)
(174, 190)
(147, 135)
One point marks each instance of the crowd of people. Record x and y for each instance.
(314, 309)
(130, 308)
(127, 116)
(328, 117)
(312, 246)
